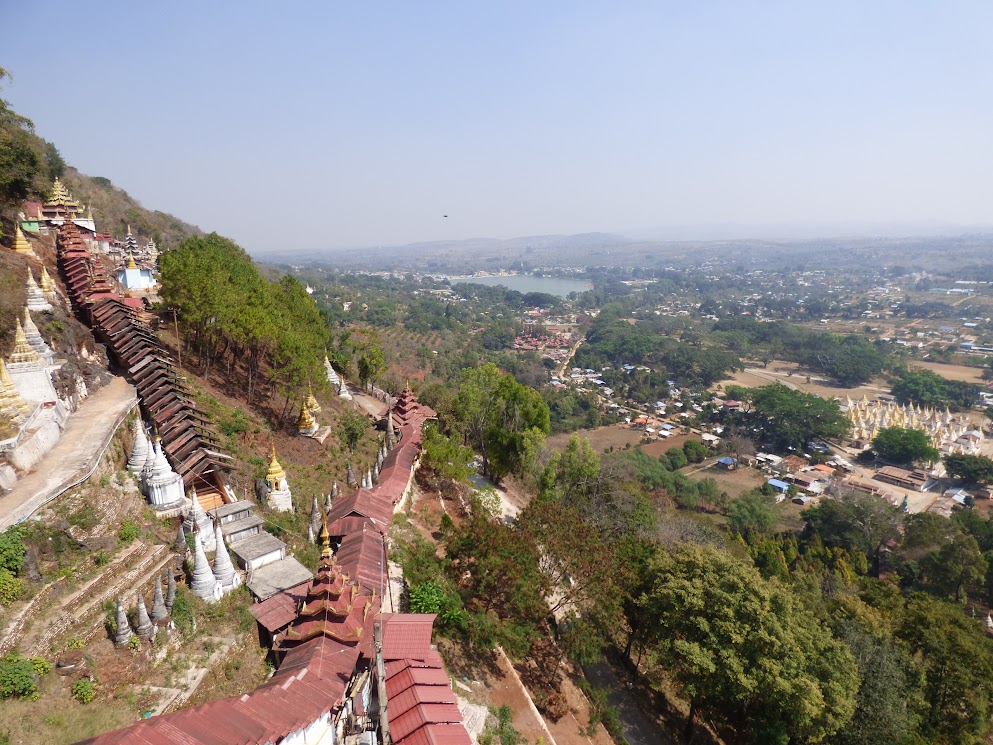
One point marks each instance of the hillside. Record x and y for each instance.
(114, 210)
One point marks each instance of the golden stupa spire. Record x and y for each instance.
(325, 538)
(21, 244)
(22, 350)
(46, 284)
(129, 230)
(9, 397)
(305, 421)
(275, 472)
(131, 264)
(311, 402)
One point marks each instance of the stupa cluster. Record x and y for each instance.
(158, 481)
(945, 432)
(146, 625)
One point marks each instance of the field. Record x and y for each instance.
(953, 372)
(619, 436)
(734, 483)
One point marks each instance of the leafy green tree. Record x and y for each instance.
(904, 446)
(677, 458)
(973, 468)
(889, 695)
(751, 659)
(857, 522)
(753, 513)
(789, 418)
(956, 658)
(351, 427)
(927, 388)
(957, 563)
(445, 455)
(504, 420)
(12, 549)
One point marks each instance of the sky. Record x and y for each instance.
(320, 125)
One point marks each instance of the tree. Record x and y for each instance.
(889, 695)
(445, 455)
(927, 388)
(904, 446)
(856, 522)
(753, 513)
(789, 418)
(972, 468)
(351, 427)
(957, 563)
(751, 659)
(956, 657)
(371, 364)
(504, 420)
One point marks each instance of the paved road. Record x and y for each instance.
(75, 455)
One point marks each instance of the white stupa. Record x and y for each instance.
(203, 583)
(280, 499)
(197, 520)
(35, 340)
(224, 571)
(163, 487)
(139, 451)
(36, 298)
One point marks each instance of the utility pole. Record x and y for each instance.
(179, 342)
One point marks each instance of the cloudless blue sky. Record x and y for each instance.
(333, 124)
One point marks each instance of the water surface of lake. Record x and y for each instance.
(527, 283)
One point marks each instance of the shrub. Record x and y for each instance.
(10, 587)
(128, 531)
(18, 677)
(134, 643)
(83, 690)
(74, 643)
(41, 665)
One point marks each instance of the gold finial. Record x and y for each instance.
(129, 230)
(47, 285)
(325, 538)
(131, 264)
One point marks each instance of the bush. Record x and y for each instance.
(18, 677)
(83, 690)
(74, 643)
(10, 587)
(12, 549)
(128, 531)
(41, 665)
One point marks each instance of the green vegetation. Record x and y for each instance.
(849, 360)
(12, 552)
(19, 676)
(506, 422)
(926, 388)
(973, 468)
(83, 690)
(128, 531)
(786, 418)
(904, 446)
(269, 334)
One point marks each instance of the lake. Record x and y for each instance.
(528, 283)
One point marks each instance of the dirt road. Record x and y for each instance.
(76, 454)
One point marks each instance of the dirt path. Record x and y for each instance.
(560, 371)
(76, 454)
(639, 728)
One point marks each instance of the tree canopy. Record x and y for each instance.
(904, 446)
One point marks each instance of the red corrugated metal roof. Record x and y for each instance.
(407, 635)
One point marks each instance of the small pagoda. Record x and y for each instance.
(280, 499)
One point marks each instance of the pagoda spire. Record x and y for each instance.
(159, 612)
(203, 583)
(139, 451)
(170, 590)
(224, 572)
(124, 633)
(46, 283)
(144, 623)
(22, 350)
(21, 244)
(131, 264)
(306, 424)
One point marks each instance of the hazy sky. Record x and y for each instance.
(363, 123)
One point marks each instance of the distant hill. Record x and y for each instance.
(948, 254)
